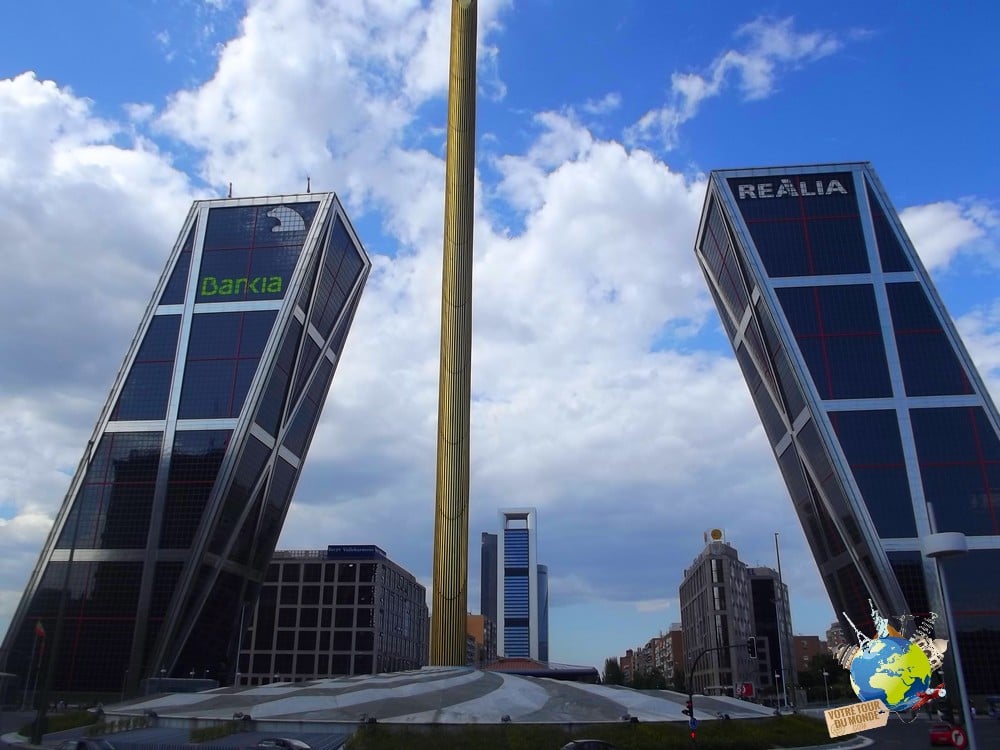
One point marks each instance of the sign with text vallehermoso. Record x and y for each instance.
(856, 717)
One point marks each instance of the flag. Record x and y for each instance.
(39, 629)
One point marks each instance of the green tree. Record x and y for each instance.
(651, 680)
(678, 681)
(613, 674)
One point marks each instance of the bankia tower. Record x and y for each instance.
(877, 417)
(156, 556)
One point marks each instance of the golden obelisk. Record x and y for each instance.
(451, 515)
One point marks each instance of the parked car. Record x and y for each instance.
(282, 743)
(941, 734)
(91, 743)
(588, 745)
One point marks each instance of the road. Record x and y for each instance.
(899, 736)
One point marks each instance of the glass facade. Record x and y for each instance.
(169, 523)
(518, 616)
(880, 425)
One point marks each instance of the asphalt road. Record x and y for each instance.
(899, 736)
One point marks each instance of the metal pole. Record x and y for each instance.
(27, 680)
(953, 650)
(826, 687)
(451, 497)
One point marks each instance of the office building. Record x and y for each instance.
(488, 576)
(807, 648)
(717, 618)
(517, 584)
(881, 426)
(172, 515)
(542, 586)
(483, 633)
(345, 610)
(772, 628)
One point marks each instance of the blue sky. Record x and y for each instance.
(605, 395)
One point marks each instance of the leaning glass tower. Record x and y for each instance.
(879, 422)
(171, 518)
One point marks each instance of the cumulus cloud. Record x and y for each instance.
(940, 230)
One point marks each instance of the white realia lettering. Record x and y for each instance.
(787, 188)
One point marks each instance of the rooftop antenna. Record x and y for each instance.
(230, 190)
(308, 184)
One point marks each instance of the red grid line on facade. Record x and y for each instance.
(983, 462)
(789, 219)
(843, 335)
(822, 337)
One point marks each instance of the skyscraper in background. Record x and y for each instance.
(878, 419)
(717, 618)
(161, 543)
(488, 576)
(517, 584)
(543, 612)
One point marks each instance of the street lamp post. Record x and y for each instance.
(826, 687)
(935, 546)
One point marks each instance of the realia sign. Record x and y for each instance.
(786, 187)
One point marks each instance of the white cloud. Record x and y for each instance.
(655, 605)
(940, 230)
(771, 47)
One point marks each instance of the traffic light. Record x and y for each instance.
(687, 711)
(752, 647)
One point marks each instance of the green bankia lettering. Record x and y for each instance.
(212, 286)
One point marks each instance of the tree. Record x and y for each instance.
(677, 681)
(651, 680)
(613, 674)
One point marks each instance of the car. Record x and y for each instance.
(941, 734)
(282, 743)
(91, 743)
(588, 745)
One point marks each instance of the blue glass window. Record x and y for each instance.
(890, 251)
(839, 335)
(173, 293)
(341, 267)
(223, 353)
(927, 359)
(959, 456)
(249, 468)
(194, 467)
(147, 387)
(301, 429)
(275, 392)
(871, 443)
(112, 509)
